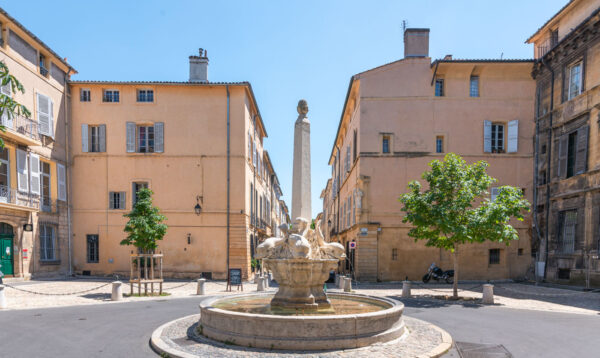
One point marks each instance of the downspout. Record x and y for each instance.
(548, 166)
(228, 175)
(253, 195)
(67, 171)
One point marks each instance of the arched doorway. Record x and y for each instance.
(6, 249)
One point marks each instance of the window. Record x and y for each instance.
(92, 249)
(553, 38)
(47, 243)
(439, 87)
(567, 231)
(85, 95)
(43, 65)
(137, 186)
(145, 95)
(439, 144)
(385, 144)
(474, 86)
(145, 142)
(494, 191)
(249, 146)
(497, 138)
(111, 96)
(4, 175)
(574, 80)
(354, 147)
(571, 154)
(542, 177)
(45, 179)
(494, 256)
(394, 254)
(116, 200)
(93, 138)
(94, 132)
(45, 115)
(543, 151)
(520, 252)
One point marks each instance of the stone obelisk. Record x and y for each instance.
(301, 174)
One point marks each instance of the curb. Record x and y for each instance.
(162, 348)
(442, 348)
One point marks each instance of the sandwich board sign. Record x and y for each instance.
(234, 278)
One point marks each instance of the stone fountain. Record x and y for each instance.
(301, 315)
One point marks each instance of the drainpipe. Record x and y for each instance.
(548, 166)
(67, 172)
(228, 175)
(253, 195)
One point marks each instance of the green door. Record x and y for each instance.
(6, 249)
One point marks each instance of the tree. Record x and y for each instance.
(8, 106)
(454, 210)
(145, 226)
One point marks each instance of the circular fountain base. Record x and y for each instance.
(356, 321)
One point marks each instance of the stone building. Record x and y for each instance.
(197, 144)
(567, 146)
(34, 216)
(396, 119)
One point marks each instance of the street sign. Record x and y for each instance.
(352, 245)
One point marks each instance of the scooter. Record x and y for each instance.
(438, 274)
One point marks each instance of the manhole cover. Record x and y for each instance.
(478, 350)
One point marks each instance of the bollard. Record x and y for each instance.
(406, 286)
(261, 284)
(117, 291)
(3, 303)
(200, 287)
(488, 294)
(341, 282)
(266, 283)
(348, 284)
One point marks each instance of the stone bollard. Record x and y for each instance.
(266, 283)
(117, 291)
(200, 287)
(3, 303)
(348, 284)
(341, 282)
(261, 284)
(406, 286)
(488, 294)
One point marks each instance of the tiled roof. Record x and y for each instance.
(549, 20)
(30, 34)
(484, 60)
(242, 83)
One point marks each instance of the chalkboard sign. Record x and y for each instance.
(234, 278)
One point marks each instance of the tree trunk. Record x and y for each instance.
(455, 283)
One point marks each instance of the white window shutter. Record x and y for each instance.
(102, 137)
(487, 136)
(51, 119)
(111, 200)
(84, 138)
(159, 137)
(34, 173)
(5, 90)
(22, 171)
(130, 137)
(494, 193)
(513, 136)
(43, 114)
(122, 200)
(61, 173)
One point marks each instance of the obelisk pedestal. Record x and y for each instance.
(301, 173)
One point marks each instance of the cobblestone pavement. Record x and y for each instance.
(422, 338)
(507, 294)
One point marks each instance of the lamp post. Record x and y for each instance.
(198, 208)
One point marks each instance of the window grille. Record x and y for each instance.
(47, 242)
(568, 233)
(93, 253)
(494, 256)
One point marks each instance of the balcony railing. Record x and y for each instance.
(49, 206)
(44, 71)
(21, 125)
(13, 196)
(545, 47)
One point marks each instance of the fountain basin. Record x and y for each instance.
(295, 331)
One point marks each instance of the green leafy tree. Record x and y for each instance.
(455, 210)
(145, 226)
(8, 106)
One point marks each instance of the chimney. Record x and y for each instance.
(416, 43)
(199, 67)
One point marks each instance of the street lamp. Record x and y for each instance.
(198, 208)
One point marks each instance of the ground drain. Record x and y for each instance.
(478, 350)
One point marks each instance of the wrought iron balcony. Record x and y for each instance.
(49, 206)
(44, 71)
(13, 196)
(21, 125)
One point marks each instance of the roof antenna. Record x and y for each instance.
(502, 55)
(404, 24)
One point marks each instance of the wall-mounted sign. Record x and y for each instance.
(25, 254)
(352, 245)
(28, 227)
(364, 231)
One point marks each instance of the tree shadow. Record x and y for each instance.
(434, 302)
(97, 296)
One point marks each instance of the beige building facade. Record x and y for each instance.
(567, 147)
(395, 120)
(34, 215)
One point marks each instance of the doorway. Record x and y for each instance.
(6, 249)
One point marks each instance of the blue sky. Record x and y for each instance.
(287, 49)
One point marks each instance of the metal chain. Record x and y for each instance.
(58, 294)
(547, 294)
(445, 290)
(174, 287)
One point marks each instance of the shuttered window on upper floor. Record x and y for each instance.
(145, 138)
(45, 115)
(93, 138)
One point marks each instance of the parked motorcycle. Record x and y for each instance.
(438, 274)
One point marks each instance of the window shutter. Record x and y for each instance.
(130, 126)
(111, 199)
(582, 145)
(34, 175)
(102, 137)
(43, 114)
(487, 136)
(51, 119)
(563, 152)
(159, 138)
(122, 200)
(513, 136)
(84, 138)
(5, 90)
(62, 182)
(22, 171)
(494, 193)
